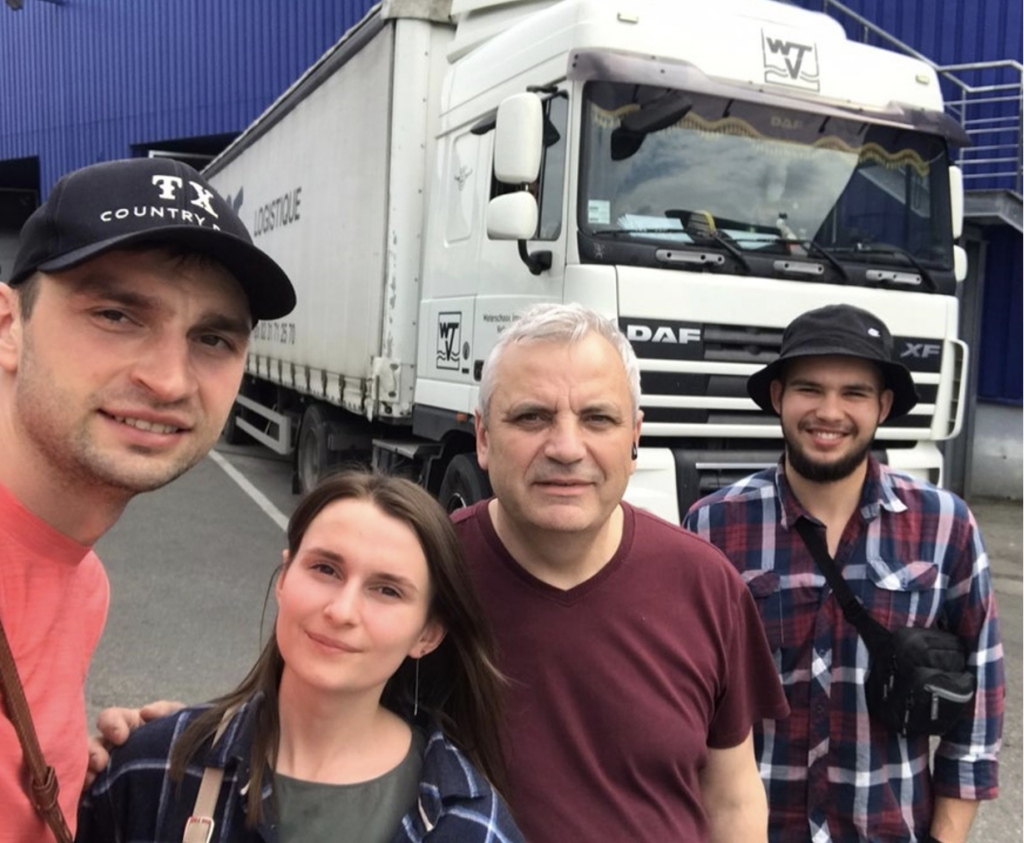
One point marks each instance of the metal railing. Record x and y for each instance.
(984, 97)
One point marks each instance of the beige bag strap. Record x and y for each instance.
(199, 828)
(43, 777)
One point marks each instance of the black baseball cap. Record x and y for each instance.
(838, 329)
(147, 200)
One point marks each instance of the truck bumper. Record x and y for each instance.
(667, 481)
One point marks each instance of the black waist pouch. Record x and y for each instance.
(918, 684)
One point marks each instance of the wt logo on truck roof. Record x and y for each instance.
(790, 62)
(449, 340)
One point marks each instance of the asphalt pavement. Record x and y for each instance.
(190, 566)
(1002, 524)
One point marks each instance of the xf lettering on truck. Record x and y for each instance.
(449, 340)
(790, 62)
(921, 354)
(921, 350)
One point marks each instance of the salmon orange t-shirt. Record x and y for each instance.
(53, 603)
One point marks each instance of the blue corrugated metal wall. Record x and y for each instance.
(945, 32)
(1000, 372)
(90, 80)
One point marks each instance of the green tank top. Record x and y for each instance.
(368, 812)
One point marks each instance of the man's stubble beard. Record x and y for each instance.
(828, 472)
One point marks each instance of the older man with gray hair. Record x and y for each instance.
(636, 659)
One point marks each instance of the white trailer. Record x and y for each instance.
(699, 173)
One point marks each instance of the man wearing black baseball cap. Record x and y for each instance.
(124, 327)
(910, 552)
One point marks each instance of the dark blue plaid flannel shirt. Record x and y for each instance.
(913, 554)
(135, 801)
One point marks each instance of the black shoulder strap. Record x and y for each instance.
(874, 634)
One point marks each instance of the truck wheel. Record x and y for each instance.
(311, 460)
(464, 483)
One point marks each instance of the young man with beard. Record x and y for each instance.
(911, 552)
(124, 327)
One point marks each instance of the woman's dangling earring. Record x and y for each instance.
(416, 691)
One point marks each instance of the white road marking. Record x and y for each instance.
(261, 500)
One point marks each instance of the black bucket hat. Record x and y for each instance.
(839, 329)
(147, 200)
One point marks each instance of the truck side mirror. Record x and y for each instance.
(956, 200)
(518, 150)
(519, 139)
(959, 263)
(512, 216)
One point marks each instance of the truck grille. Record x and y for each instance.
(739, 344)
(751, 346)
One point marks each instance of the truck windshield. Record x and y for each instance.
(679, 170)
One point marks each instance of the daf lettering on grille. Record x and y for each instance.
(662, 333)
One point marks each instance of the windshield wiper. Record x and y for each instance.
(698, 239)
(701, 226)
(907, 256)
(620, 232)
(812, 246)
(723, 240)
(897, 251)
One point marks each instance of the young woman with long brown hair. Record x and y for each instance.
(372, 713)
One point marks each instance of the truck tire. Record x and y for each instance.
(311, 456)
(464, 483)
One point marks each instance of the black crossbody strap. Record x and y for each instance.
(874, 634)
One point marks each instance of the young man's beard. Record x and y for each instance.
(824, 472)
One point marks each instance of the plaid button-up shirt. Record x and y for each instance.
(913, 555)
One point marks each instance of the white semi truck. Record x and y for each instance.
(700, 173)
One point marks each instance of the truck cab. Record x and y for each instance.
(701, 175)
